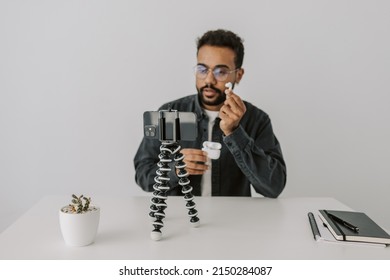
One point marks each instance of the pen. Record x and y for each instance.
(314, 228)
(344, 223)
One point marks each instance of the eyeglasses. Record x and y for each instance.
(220, 73)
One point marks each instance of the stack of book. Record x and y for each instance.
(353, 226)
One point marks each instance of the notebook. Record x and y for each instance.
(366, 229)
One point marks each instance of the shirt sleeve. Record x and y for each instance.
(259, 156)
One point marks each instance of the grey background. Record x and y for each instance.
(76, 76)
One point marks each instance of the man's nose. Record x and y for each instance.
(210, 79)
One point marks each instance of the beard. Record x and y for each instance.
(221, 96)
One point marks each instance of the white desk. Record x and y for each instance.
(231, 228)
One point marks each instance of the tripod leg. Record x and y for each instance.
(161, 187)
(184, 182)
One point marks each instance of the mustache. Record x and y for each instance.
(212, 87)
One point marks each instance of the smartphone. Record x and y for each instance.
(154, 126)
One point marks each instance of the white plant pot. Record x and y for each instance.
(79, 229)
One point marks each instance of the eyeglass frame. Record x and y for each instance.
(212, 70)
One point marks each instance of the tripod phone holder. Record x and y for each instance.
(170, 126)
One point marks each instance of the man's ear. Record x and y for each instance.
(239, 75)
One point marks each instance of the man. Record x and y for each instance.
(250, 154)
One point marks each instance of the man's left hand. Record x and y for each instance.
(231, 112)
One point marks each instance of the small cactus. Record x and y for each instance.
(79, 205)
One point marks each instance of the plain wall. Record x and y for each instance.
(76, 76)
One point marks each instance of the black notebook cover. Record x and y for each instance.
(368, 231)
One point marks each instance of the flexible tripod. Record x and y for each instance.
(170, 150)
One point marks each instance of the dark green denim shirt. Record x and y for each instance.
(251, 155)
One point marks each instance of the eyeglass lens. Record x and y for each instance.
(220, 73)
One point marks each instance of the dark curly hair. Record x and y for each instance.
(224, 38)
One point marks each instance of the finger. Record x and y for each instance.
(195, 172)
(196, 168)
(234, 98)
(233, 111)
(228, 93)
(228, 113)
(195, 157)
(188, 151)
(235, 102)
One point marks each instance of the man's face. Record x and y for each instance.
(211, 91)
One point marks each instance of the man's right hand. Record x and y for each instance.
(196, 161)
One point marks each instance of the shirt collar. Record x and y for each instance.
(199, 110)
